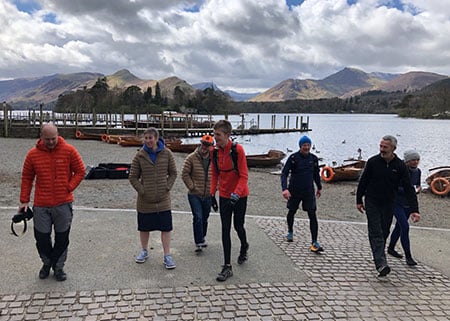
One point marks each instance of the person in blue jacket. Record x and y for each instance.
(402, 210)
(302, 169)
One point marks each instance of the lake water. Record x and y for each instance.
(337, 137)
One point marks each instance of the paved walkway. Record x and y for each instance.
(281, 281)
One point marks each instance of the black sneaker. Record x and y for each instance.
(225, 273)
(44, 272)
(383, 270)
(394, 253)
(410, 261)
(60, 275)
(243, 255)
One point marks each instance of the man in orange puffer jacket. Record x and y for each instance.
(56, 169)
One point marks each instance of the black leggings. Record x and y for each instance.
(313, 225)
(226, 212)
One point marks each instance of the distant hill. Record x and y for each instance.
(236, 96)
(411, 81)
(43, 89)
(29, 92)
(346, 83)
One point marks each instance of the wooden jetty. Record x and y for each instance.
(28, 123)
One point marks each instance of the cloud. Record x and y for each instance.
(238, 44)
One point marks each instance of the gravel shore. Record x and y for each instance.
(337, 201)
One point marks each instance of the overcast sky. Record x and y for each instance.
(245, 45)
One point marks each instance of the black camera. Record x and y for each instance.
(23, 215)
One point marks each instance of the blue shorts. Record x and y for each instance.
(156, 221)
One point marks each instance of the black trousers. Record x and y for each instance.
(226, 214)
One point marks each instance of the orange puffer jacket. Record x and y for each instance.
(58, 172)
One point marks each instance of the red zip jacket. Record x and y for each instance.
(229, 180)
(58, 172)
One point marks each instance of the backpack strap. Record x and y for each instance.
(233, 155)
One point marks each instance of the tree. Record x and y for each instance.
(148, 95)
(133, 97)
(158, 98)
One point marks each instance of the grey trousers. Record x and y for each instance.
(379, 220)
(60, 219)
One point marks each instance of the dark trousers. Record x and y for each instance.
(313, 225)
(379, 220)
(226, 213)
(60, 218)
(201, 208)
(401, 229)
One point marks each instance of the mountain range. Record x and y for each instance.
(29, 92)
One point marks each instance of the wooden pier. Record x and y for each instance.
(170, 124)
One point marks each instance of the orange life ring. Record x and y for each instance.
(105, 137)
(78, 134)
(440, 186)
(327, 174)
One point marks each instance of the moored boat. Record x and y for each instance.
(177, 146)
(439, 181)
(86, 136)
(347, 172)
(270, 159)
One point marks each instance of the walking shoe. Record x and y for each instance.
(410, 261)
(315, 247)
(383, 270)
(225, 273)
(168, 262)
(394, 253)
(198, 248)
(60, 275)
(243, 255)
(142, 257)
(290, 237)
(44, 272)
(202, 244)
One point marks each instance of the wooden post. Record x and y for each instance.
(242, 122)
(76, 118)
(5, 120)
(186, 125)
(123, 120)
(258, 120)
(41, 115)
(107, 122)
(296, 122)
(288, 121)
(136, 121)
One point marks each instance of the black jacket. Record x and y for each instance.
(380, 181)
(302, 172)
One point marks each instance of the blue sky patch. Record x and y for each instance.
(27, 6)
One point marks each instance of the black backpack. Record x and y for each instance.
(234, 156)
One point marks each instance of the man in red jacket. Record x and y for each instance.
(56, 169)
(231, 179)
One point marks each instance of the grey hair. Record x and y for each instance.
(152, 131)
(392, 139)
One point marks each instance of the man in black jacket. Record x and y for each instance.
(379, 183)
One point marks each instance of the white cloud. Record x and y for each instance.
(243, 44)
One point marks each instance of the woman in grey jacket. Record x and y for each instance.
(152, 174)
